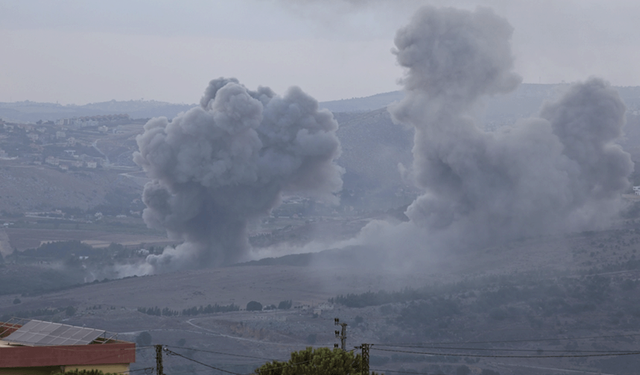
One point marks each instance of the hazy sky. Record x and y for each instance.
(90, 51)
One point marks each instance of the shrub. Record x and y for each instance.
(70, 311)
(254, 306)
(143, 339)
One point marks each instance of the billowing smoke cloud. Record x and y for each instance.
(219, 166)
(545, 175)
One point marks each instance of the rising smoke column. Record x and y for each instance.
(545, 175)
(219, 166)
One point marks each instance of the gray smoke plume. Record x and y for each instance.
(545, 175)
(219, 166)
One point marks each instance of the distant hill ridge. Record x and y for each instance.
(532, 93)
(527, 95)
(28, 111)
(365, 104)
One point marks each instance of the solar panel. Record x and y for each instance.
(39, 333)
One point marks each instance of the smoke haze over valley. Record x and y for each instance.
(478, 215)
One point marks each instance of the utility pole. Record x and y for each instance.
(159, 369)
(342, 334)
(365, 358)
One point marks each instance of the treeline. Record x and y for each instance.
(46, 312)
(196, 310)
(527, 297)
(378, 298)
(31, 313)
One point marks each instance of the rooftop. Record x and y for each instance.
(37, 343)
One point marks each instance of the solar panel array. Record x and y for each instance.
(39, 333)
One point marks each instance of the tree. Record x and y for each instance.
(144, 339)
(285, 305)
(70, 311)
(320, 361)
(254, 306)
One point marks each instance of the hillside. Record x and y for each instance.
(564, 288)
(572, 294)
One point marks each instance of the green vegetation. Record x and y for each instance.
(209, 309)
(196, 310)
(70, 311)
(144, 339)
(320, 361)
(254, 306)
(60, 265)
(378, 298)
(32, 314)
(285, 305)
(530, 300)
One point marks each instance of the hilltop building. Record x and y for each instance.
(39, 348)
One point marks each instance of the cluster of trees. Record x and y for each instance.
(31, 313)
(210, 309)
(257, 306)
(530, 297)
(320, 361)
(47, 312)
(381, 297)
(196, 310)
(254, 306)
(157, 311)
(324, 361)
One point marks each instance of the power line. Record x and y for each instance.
(510, 350)
(171, 352)
(299, 363)
(512, 341)
(147, 370)
(222, 353)
(510, 356)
